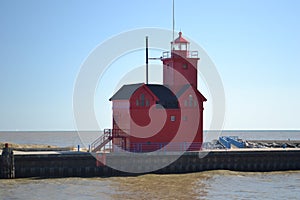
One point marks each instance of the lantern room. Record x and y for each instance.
(180, 44)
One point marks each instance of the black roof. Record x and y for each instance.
(125, 91)
(166, 98)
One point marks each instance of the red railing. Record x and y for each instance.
(105, 140)
(104, 143)
(162, 147)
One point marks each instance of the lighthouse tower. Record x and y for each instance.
(152, 117)
(180, 65)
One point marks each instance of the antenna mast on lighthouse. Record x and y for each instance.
(147, 56)
(147, 60)
(173, 24)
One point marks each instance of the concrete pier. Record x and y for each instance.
(82, 164)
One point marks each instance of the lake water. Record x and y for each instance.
(202, 185)
(74, 138)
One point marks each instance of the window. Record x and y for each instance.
(195, 103)
(185, 103)
(147, 102)
(184, 118)
(173, 118)
(184, 66)
(137, 102)
(176, 46)
(190, 100)
(158, 105)
(142, 98)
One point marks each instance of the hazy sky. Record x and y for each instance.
(254, 44)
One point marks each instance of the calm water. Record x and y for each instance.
(203, 185)
(73, 138)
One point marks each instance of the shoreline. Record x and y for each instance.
(34, 147)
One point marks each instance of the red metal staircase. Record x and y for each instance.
(108, 135)
(102, 141)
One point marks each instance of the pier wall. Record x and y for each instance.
(80, 164)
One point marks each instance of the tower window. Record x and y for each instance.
(191, 100)
(184, 66)
(173, 118)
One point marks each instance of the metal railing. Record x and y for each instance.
(119, 133)
(101, 141)
(189, 54)
(104, 142)
(162, 147)
(105, 139)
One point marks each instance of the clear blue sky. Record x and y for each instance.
(254, 44)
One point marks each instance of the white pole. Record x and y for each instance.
(173, 24)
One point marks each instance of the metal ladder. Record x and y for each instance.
(101, 141)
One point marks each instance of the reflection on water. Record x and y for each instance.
(203, 185)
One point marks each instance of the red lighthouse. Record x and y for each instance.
(182, 61)
(169, 117)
